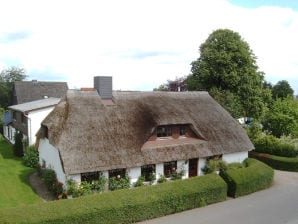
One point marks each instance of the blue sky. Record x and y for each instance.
(293, 4)
(142, 44)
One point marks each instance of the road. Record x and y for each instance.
(276, 205)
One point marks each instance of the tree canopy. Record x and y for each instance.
(282, 90)
(282, 117)
(7, 78)
(228, 65)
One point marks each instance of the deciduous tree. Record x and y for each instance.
(282, 89)
(227, 63)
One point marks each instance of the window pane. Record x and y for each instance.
(89, 177)
(169, 168)
(148, 171)
(182, 131)
(164, 131)
(116, 172)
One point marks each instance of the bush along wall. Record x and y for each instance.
(125, 206)
(255, 176)
(277, 162)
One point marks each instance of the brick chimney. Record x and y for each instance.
(104, 86)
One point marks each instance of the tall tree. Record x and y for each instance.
(7, 78)
(282, 90)
(227, 63)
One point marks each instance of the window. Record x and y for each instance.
(148, 171)
(169, 168)
(91, 176)
(164, 131)
(182, 131)
(116, 172)
(14, 115)
(43, 164)
(24, 119)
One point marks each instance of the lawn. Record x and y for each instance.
(14, 187)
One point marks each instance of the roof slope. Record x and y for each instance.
(27, 91)
(35, 105)
(91, 136)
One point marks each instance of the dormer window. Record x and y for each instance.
(182, 131)
(164, 131)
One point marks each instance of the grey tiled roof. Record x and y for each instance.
(35, 105)
(27, 91)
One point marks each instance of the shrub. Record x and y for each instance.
(162, 179)
(31, 158)
(256, 176)
(116, 183)
(277, 162)
(272, 145)
(214, 165)
(125, 206)
(50, 179)
(99, 185)
(18, 145)
(139, 182)
(177, 175)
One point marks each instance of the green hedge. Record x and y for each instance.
(277, 162)
(272, 145)
(256, 176)
(124, 206)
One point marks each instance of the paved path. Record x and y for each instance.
(276, 205)
(40, 187)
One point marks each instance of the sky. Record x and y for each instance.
(141, 43)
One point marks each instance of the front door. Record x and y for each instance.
(193, 168)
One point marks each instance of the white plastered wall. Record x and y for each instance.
(159, 170)
(202, 163)
(183, 165)
(134, 174)
(50, 155)
(34, 121)
(237, 157)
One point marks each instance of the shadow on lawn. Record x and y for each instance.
(6, 151)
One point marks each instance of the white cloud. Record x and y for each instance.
(140, 43)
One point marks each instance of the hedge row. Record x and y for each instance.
(256, 176)
(272, 145)
(124, 206)
(277, 162)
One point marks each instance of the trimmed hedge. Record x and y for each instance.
(124, 206)
(272, 145)
(277, 162)
(256, 176)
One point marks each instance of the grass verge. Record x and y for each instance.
(15, 190)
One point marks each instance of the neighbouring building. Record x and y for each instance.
(27, 117)
(27, 91)
(33, 101)
(105, 132)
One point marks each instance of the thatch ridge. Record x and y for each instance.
(91, 136)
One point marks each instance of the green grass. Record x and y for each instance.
(14, 188)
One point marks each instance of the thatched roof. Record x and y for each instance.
(93, 136)
(27, 91)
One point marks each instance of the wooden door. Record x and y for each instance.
(193, 167)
